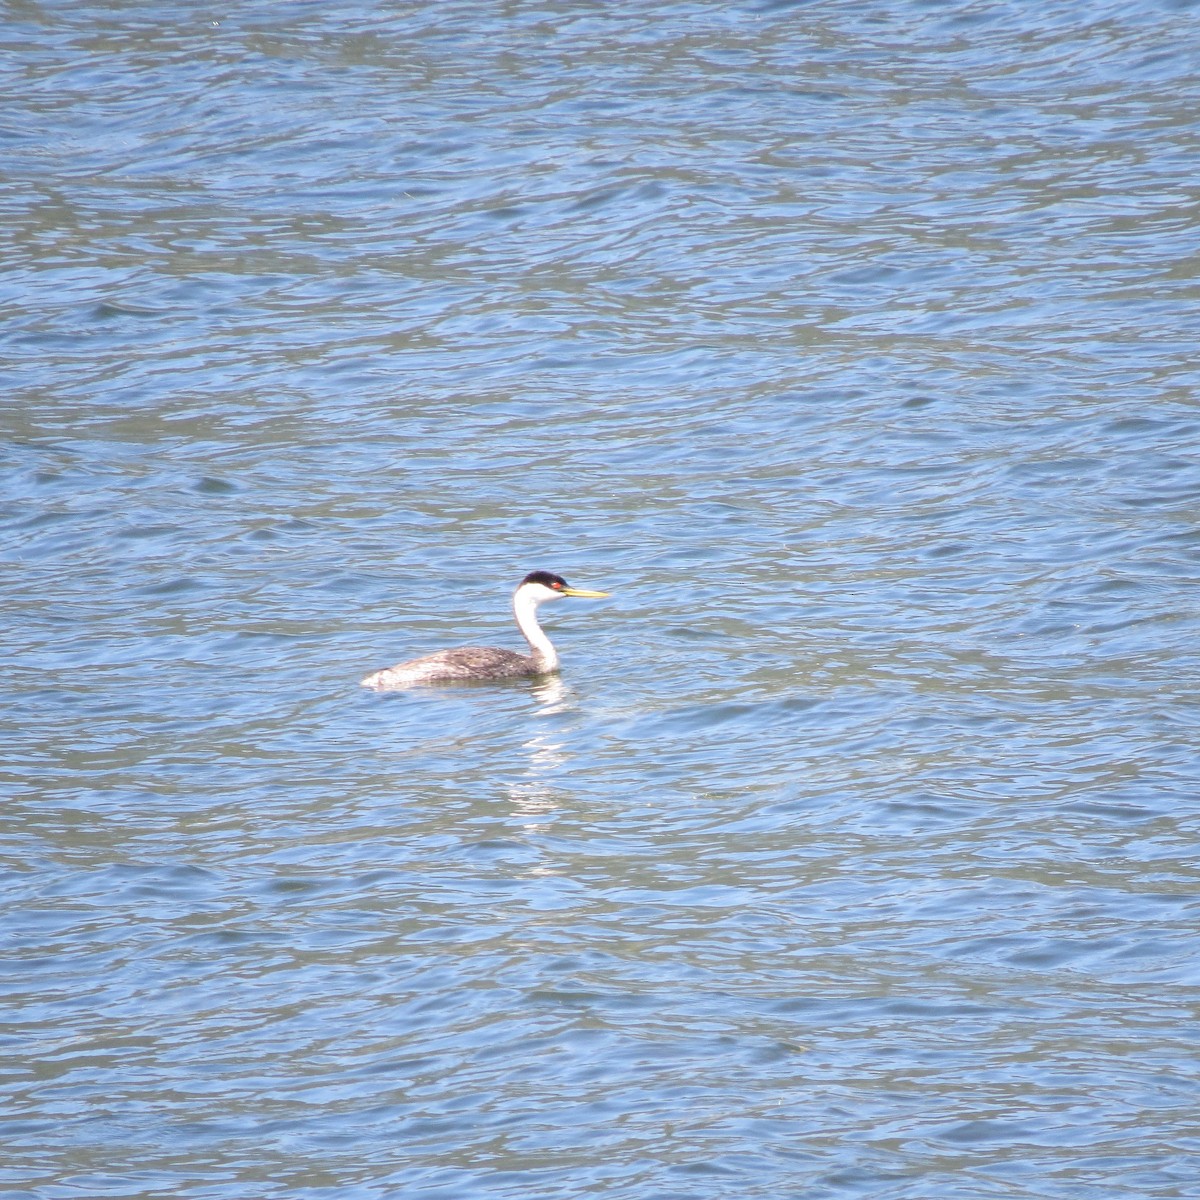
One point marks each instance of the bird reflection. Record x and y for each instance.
(535, 795)
(552, 696)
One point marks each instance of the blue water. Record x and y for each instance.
(852, 349)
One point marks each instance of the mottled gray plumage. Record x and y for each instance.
(461, 663)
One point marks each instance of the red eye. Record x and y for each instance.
(556, 586)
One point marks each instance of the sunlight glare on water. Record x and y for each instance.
(852, 349)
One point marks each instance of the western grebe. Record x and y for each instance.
(487, 662)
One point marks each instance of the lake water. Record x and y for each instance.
(853, 348)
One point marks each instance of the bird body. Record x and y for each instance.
(461, 663)
(465, 663)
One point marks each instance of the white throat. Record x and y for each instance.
(525, 604)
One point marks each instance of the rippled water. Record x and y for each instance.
(853, 348)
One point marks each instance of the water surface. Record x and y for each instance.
(852, 348)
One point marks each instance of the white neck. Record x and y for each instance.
(525, 610)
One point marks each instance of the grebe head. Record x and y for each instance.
(540, 586)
